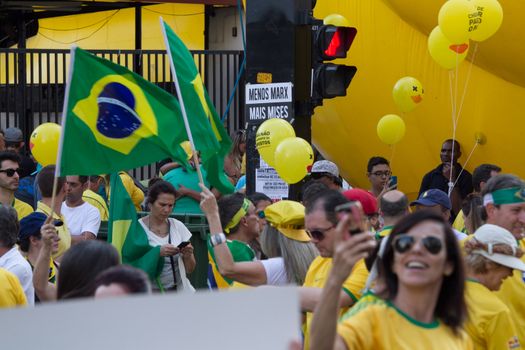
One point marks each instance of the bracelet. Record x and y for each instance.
(217, 239)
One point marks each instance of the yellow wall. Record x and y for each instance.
(109, 30)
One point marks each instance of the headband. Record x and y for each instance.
(511, 195)
(238, 215)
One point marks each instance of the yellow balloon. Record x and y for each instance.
(486, 19)
(293, 157)
(336, 19)
(444, 52)
(44, 143)
(408, 93)
(269, 135)
(454, 19)
(391, 129)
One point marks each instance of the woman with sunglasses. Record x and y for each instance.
(491, 256)
(283, 240)
(421, 305)
(233, 162)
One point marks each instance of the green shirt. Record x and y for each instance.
(240, 252)
(189, 179)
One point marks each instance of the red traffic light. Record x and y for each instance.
(334, 42)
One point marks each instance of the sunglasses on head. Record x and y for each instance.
(318, 234)
(403, 243)
(9, 172)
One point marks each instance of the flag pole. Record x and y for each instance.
(181, 101)
(61, 141)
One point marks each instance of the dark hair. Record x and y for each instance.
(499, 182)
(83, 179)
(81, 264)
(457, 147)
(25, 242)
(393, 209)
(94, 178)
(257, 197)
(312, 190)
(450, 307)
(9, 227)
(9, 155)
(228, 206)
(153, 181)
(45, 179)
(482, 174)
(473, 205)
(132, 279)
(372, 162)
(158, 188)
(327, 202)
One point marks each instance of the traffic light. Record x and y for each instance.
(330, 42)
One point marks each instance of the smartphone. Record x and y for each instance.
(393, 182)
(358, 222)
(183, 244)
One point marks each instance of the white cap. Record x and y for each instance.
(493, 235)
(325, 166)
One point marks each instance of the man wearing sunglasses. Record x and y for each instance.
(9, 179)
(327, 172)
(320, 223)
(504, 202)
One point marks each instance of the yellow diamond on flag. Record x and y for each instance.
(118, 113)
(199, 90)
(120, 230)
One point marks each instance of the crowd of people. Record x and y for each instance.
(373, 269)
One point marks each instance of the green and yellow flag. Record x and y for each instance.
(116, 120)
(127, 235)
(201, 112)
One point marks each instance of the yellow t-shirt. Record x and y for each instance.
(136, 194)
(11, 292)
(98, 202)
(512, 293)
(459, 223)
(318, 274)
(22, 208)
(489, 325)
(63, 232)
(377, 324)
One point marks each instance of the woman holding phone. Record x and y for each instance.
(175, 253)
(422, 305)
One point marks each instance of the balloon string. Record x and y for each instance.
(467, 81)
(453, 102)
(466, 162)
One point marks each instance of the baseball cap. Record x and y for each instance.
(433, 197)
(288, 218)
(13, 134)
(367, 200)
(31, 224)
(493, 235)
(325, 166)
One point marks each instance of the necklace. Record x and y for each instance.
(157, 230)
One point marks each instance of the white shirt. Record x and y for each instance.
(178, 234)
(459, 235)
(275, 271)
(15, 263)
(84, 218)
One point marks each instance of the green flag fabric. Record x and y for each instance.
(116, 120)
(127, 235)
(216, 144)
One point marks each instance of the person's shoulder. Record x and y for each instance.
(368, 303)
(88, 207)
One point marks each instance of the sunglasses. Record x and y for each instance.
(318, 234)
(403, 243)
(10, 172)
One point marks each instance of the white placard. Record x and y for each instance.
(268, 93)
(267, 181)
(256, 318)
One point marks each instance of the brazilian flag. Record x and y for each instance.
(200, 111)
(127, 235)
(116, 120)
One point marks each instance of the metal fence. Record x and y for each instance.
(32, 84)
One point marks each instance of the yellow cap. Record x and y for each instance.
(287, 217)
(186, 146)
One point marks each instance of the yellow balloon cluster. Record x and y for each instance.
(391, 129)
(459, 21)
(290, 156)
(44, 143)
(407, 93)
